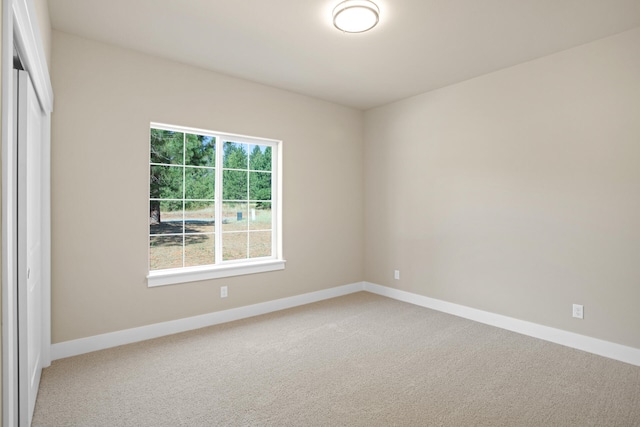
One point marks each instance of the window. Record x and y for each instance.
(214, 205)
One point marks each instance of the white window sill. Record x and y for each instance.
(193, 274)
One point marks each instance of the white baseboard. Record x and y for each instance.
(128, 336)
(581, 342)
(569, 339)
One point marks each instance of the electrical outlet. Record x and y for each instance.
(223, 292)
(396, 274)
(578, 311)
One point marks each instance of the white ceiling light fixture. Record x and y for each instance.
(356, 16)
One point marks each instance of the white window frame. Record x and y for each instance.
(233, 267)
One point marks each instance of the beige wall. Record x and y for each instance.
(44, 24)
(1, 316)
(105, 99)
(517, 192)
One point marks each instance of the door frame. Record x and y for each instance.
(20, 29)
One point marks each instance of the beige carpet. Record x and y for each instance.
(359, 360)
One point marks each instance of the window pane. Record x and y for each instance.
(199, 250)
(165, 182)
(234, 185)
(166, 147)
(235, 155)
(199, 217)
(259, 216)
(260, 157)
(200, 183)
(183, 209)
(165, 252)
(234, 216)
(259, 186)
(259, 244)
(234, 246)
(200, 150)
(165, 217)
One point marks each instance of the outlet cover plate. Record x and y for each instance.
(578, 311)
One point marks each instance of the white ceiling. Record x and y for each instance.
(419, 45)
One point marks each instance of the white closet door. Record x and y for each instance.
(30, 272)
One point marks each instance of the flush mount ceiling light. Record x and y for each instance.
(355, 16)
